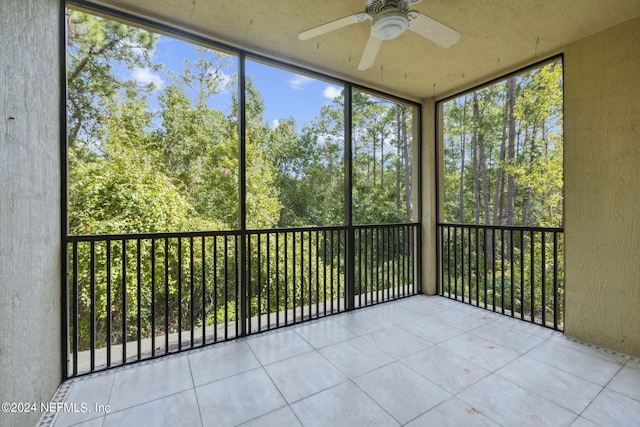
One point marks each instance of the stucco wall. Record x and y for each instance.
(29, 205)
(602, 188)
(429, 272)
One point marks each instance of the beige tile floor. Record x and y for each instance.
(420, 361)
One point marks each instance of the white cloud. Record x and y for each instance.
(331, 92)
(226, 81)
(275, 123)
(145, 76)
(297, 81)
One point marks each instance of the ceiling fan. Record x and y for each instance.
(389, 19)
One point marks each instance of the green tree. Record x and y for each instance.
(95, 48)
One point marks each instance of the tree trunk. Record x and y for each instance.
(463, 142)
(498, 198)
(527, 202)
(381, 155)
(511, 153)
(474, 148)
(398, 157)
(485, 179)
(407, 166)
(375, 162)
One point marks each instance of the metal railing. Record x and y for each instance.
(133, 297)
(517, 271)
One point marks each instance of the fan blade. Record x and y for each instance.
(434, 31)
(370, 53)
(333, 25)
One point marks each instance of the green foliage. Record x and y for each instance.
(134, 169)
(479, 162)
(503, 166)
(94, 47)
(526, 283)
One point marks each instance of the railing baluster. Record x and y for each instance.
(109, 309)
(502, 270)
(332, 268)
(440, 285)
(369, 267)
(268, 281)
(555, 280)
(139, 297)
(361, 285)
(395, 257)
(310, 273)
(302, 284)
(179, 293)
(455, 262)
(92, 284)
(249, 295)
(449, 261)
(277, 260)
(294, 280)
(124, 301)
(470, 268)
(191, 296)
(522, 250)
(226, 287)
(484, 265)
(543, 275)
(259, 313)
(532, 273)
(477, 267)
(493, 268)
(462, 248)
(166, 295)
(237, 296)
(385, 262)
(286, 279)
(215, 288)
(203, 315)
(153, 297)
(511, 262)
(74, 294)
(340, 245)
(317, 236)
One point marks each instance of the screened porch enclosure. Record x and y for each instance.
(196, 217)
(501, 207)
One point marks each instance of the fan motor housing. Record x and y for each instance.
(389, 23)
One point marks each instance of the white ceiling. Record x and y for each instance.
(497, 36)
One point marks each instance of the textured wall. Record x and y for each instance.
(429, 272)
(602, 188)
(29, 205)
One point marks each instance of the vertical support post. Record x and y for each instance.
(242, 190)
(417, 139)
(349, 261)
(64, 294)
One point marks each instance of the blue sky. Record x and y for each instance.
(285, 93)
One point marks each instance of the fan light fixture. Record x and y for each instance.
(389, 24)
(389, 19)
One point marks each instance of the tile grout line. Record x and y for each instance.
(195, 392)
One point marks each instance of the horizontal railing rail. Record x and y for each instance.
(133, 297)
(517, 271)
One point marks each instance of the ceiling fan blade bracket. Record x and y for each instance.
(361, 17)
